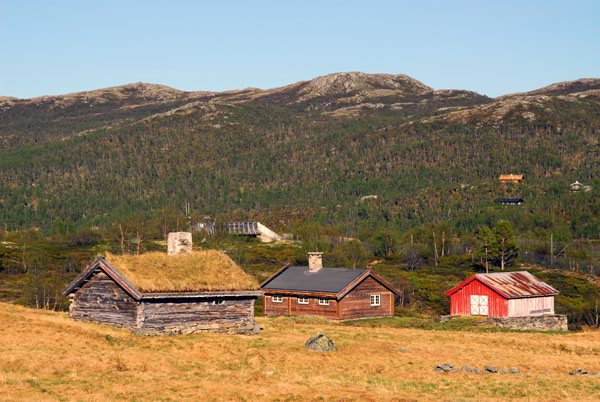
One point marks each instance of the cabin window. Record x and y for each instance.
(303, 300)
(375, 300)
(323, 302)
(277, 299)
(217, 302)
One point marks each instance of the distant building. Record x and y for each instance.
(336, 293)
(255, 229)
(511, 178)
(502, 295)
(577, 186)
(509, 201)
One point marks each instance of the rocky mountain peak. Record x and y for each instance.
(352, 83)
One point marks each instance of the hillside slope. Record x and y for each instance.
(46, 356)
(313, 148)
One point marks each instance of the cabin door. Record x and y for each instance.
(479, 305)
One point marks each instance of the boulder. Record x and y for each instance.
(444, 368)
(320, 343)
(514, 370)
(491, 369)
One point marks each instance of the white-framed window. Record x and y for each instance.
(479, 305)
(277, 299)
(323, 302)
(303, 300)
(217, 302)
(376, 300)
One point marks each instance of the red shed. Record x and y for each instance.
(502, 294)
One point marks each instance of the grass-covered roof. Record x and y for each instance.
(198, 271)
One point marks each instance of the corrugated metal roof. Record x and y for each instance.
(516, 284)
(326, 280)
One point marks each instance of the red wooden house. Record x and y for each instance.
(501, 295)
(336, 293)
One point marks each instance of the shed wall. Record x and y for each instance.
(531, 306)
(460, 301)
(101, 299)
(357, 303)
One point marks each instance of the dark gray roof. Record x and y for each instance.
(326, 280)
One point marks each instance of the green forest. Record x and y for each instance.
(410, 176)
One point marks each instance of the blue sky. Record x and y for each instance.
(492, 47)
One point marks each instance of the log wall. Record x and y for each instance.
(234, 314)
(101, 299)
(357, 303)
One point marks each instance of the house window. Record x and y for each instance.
(217, 302)
(323, 302)
(277, 299)
(375, 300)
(303, 300)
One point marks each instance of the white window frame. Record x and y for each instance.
(323, 302)
(302, 300)
(479, 305)
(375, 300)
(277, 299)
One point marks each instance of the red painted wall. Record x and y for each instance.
(460, 301)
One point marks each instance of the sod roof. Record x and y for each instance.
(198, 271)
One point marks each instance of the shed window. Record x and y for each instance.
(218, 302)
(323, 302)
(277, 299)
(303, 300)
(375, 300)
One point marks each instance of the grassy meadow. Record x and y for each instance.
(46, 356)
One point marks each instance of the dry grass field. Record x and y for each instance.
(46, 356)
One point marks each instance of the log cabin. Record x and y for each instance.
(335, 293)
(159, 294)
(502, 295)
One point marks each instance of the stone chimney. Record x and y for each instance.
(179, 242)
(315, 261)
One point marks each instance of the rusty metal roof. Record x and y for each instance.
(511, 285)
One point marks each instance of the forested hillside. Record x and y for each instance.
(310, 150)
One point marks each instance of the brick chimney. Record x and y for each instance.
(315, 261)
(179, 242)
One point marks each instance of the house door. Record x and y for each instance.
(479, 305)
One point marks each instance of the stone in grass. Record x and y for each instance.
(466, 368)
(543, 373)
(578, 372)
(402, 349)
(491, 369)
(475, 371)
(514, 370)
(320, 343)
(444, 368)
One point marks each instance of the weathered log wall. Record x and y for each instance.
(196, 315)
(357, 303)
(101, 299)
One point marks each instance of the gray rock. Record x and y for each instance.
(475, 371)
(514, 370)
(504, 371)
(402, 349)
(491, 369)
(444, 368)
(466, 368)
(320, 343)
